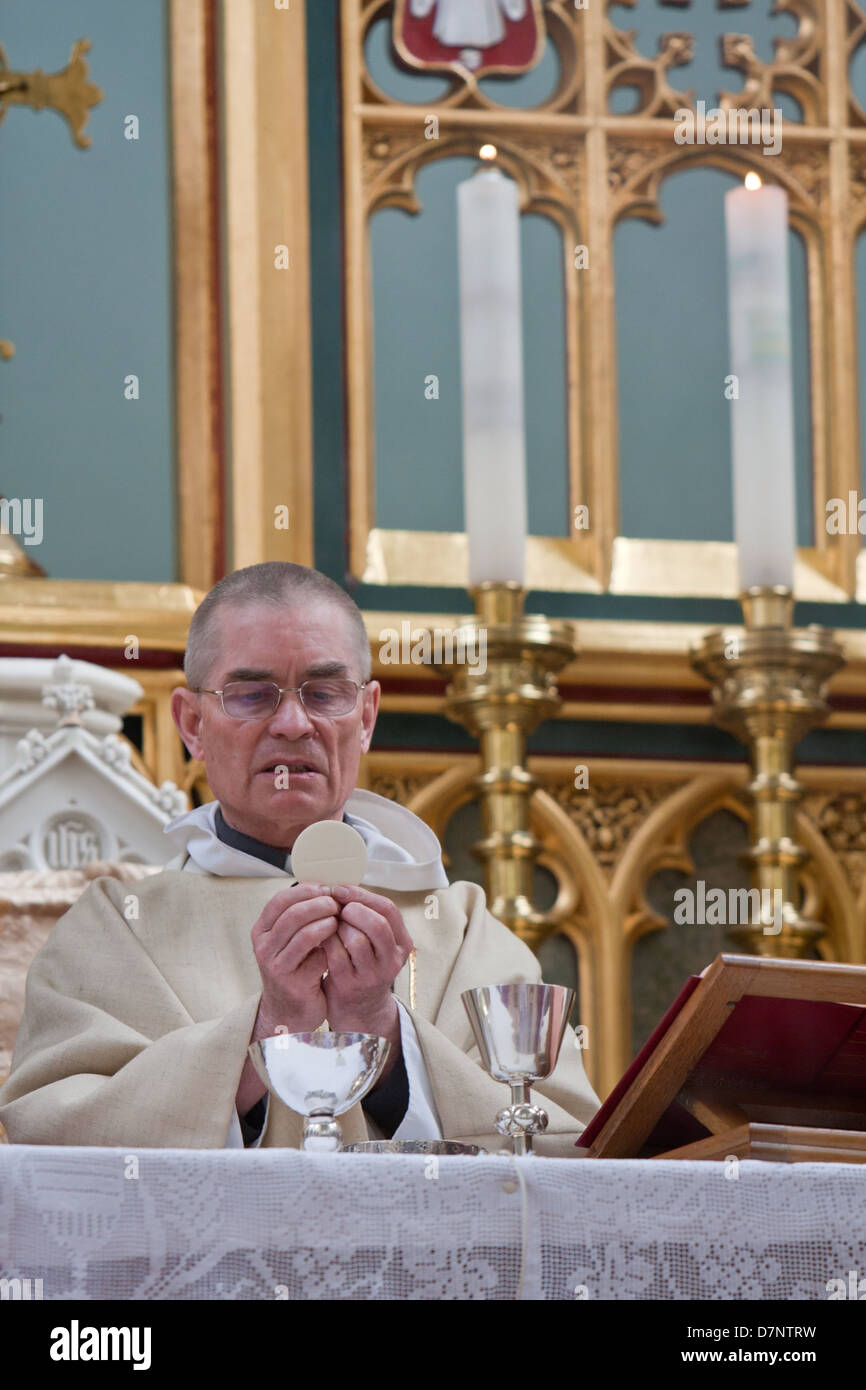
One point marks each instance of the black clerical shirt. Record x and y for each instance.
(388, 1102)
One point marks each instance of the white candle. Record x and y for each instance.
(491, 341)
(762, 425)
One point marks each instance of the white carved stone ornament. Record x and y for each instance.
(72, 798)
(32, 748)
(68, 696)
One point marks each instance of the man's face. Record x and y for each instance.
(286, 646)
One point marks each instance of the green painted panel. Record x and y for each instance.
(85, 295)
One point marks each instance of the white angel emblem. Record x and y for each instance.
(469, 24)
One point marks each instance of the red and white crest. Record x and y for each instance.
(484, 36)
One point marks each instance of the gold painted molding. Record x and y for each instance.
(95, 612)
(442, 557)
(69, 92)
(613, 655)
(196, 291)
(616, 655)
(269, 340)
(686, 569)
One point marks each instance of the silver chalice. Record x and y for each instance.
(519, 1031)
(320, 1076)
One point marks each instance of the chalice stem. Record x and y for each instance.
(322, 1132)
(523, 1138)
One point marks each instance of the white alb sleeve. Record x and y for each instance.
(421, 1120)
(235, 1137)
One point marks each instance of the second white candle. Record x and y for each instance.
(491, 340)
(762, 423)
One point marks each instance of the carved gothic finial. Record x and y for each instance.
(68, 696)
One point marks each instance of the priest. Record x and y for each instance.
(141, 1005)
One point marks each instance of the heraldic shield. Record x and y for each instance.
(483, 36)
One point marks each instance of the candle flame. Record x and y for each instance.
(753, 181)
(488, 152)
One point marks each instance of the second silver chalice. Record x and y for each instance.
(320, 1076)
(519, 1031)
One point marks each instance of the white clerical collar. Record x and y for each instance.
(411, 864)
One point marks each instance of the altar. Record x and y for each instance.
(95, 1224)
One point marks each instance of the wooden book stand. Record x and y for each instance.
(756, 1058)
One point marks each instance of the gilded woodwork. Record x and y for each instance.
(628, 67)
(196, 292)
(625, 657)
(68, 92)
(794, 70)
(587, 168)
(95, 613)
(269, 341)
(622, 669)
(14, 559)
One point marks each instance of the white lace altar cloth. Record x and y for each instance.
(276, 1224)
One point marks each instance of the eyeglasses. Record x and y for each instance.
(258, 699)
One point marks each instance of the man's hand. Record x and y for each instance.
(364, 957)
(288, 940)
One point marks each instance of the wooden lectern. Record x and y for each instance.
(756, 1058)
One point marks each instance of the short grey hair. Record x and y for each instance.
(274, 584)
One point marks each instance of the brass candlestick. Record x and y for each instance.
(501, 705)
(768, 689)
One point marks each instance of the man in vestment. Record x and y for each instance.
(141, 1005)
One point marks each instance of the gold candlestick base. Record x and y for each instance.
(501, 704)
(768, 690)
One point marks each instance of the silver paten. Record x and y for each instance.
(413, 1146)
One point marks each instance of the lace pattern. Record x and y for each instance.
(268, 1224)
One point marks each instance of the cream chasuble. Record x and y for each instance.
(140, 1006)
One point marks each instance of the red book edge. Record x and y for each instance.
(603, 1115)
